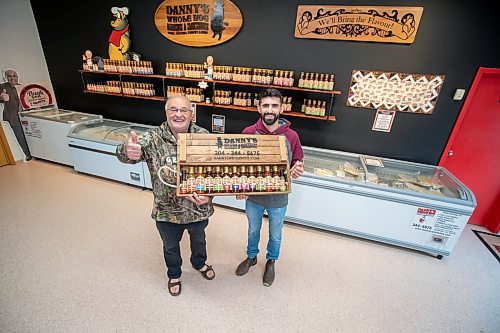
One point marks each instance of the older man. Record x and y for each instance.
(12, 106)
(172, 214)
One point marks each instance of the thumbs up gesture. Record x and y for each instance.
(133, 148)
(5, 97)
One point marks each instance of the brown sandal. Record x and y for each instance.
(205, 272)
(174, 284)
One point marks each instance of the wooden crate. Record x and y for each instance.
(232, 150)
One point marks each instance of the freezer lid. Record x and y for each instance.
(421, 178)
(386, 175)
(76, 117)
(122, 134)
(94, 131)
(45, 113)
(110, 131)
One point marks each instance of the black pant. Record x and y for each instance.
(16, 126)
(171, 234)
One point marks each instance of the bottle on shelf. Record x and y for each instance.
(283, 182)
(276, 178)
(331, 83)
(226, 180)
(277, 78)
(218, 188)
(259, 179)
(308, 107)
(268, 179)
(315, 84)
(256, 100)
(244, 186)
(290, 79)
(323, 109)
(209, 180)
(322, 82)
(314, 108)
(252, 181)
(235, 180)
(301, 80)
(191, 180)
(183, 188)
(200, 181)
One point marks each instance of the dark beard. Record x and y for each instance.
(270, 121)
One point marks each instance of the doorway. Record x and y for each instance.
(472, 153)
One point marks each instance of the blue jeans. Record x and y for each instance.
(276, 218)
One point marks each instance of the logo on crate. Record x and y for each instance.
(236, 143)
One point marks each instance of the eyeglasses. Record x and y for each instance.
(182, 110)
(11, 75)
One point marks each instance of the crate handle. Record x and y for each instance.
(159, 175)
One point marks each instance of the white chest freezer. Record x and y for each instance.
(46, 132)
(93, 147)
(412, 205)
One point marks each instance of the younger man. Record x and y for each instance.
(275, 205)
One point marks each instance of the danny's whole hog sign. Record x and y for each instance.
(198, 23)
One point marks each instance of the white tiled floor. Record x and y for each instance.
(81, 254)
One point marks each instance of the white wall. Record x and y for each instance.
(20, 46)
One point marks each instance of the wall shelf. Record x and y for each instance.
(334, 92)
(327, 117)
(284, 114)
(154, 98)
(181, 78)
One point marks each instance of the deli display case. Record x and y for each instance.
(417, 206)
(93, 147)
(46, 130)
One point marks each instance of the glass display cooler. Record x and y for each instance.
(93, 148)
(46, 131)
(412, 205)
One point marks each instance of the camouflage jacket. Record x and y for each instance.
(159, 148)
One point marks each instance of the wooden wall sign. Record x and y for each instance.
(417, 93)
(198, 23)
(358, 23)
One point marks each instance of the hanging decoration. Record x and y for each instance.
(417, 93)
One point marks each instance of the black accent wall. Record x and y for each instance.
(454, 39)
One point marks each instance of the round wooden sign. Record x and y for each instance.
(198, 23)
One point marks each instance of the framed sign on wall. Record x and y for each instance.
(198, 23)
(383, 121)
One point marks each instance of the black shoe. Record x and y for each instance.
(269, 273)
(245, 265)
(29, 158)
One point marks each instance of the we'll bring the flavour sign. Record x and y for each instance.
(358, 23)
(198, 23)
